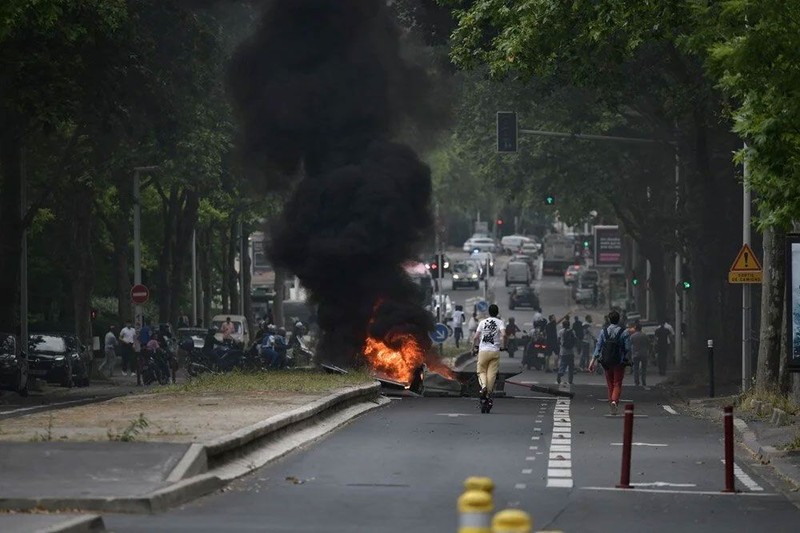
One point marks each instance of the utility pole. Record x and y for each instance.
(747, 362)
(678, 272)
(194, 277)
(137, 238)
(23, 274)
(241, 266)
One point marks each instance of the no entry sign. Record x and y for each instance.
(140, 294)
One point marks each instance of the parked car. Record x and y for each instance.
(523, 297)
(481, 244)
(485, 258)
(13, 365)
(518, 272)
(513, 243)
(466, 274)
(571, 273)
(59, 358)
(241, 331)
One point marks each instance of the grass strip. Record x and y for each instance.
(294, 380)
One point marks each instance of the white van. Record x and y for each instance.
(513, 243)
(518, 273)
(241, 332)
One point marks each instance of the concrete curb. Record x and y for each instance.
(79, 524)
(190, 478)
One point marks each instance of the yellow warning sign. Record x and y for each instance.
(745, 268)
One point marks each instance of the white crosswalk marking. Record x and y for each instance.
(745, 479)
(559, 464)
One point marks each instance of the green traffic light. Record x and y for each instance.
(585, 244)
(635, 281)
(687, 285)
(550, 200)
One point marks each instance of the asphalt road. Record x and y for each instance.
(400, 468)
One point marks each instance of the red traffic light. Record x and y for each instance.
(499, 221)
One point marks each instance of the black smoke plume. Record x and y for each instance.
(322, 88)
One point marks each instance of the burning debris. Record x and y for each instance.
(321, 88)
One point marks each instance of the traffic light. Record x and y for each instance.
(550, 200)
(687, 284)
(506, 131)
(93, 313)
(634, 279)
(499, 221)
(586, 243)
(686, 277)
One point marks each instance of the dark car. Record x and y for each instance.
(13, 365)
(433, 264)
(59, 358)
(466, 274)
(523, 297)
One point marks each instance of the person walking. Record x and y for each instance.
(640, 353)
(662, 341)
(110, 343)
(585, 344)
(611, 352)
(551, 335)
(458, 325)
(127, 336)
(490, 336)
(566, 357)
(472, 325)
(577, 329)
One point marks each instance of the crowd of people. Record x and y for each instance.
(133, 347)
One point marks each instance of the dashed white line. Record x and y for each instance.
(520, 486)
(530, 458)
(527, 470)
(745, 479)
(670, 410)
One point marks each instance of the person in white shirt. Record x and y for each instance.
(110, 347)
(458, 324)
(490, 336)
(127, 336)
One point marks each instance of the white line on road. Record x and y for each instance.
(530, 458)
(559, 465)
(745, 479)
(561, 455)
(559, 472)
(695, 492)
(527, 470)
(533, 447)
(670, 410)
(654, 445)
(664, 484)
(520, 486)
(559, 483)
(43, 406)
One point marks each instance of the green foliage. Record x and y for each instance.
(132, 431)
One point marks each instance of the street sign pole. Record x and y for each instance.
(194, 278)
(678, 273)
(137, 245)
(747, 362)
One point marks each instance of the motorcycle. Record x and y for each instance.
(156, 367)
(535, 351)
(299, 355)
(223, 357)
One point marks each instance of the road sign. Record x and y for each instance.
(745, 268)
(140, 294)
(440, 333)
(482, 306)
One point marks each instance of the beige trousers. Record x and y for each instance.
(488, 363)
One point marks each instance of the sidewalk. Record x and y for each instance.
(147, 452)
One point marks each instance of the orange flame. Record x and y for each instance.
(399, 364)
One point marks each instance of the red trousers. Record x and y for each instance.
(614, 377)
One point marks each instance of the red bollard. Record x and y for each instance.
(730, 485)
(627, 439)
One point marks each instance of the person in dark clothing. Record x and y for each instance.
(551, 333)
(662, 347)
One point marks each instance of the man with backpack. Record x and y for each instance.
(611, 352)
(567, 340)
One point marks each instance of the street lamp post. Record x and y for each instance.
(137, 237)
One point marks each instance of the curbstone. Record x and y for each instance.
(79, 524)
(779, 417)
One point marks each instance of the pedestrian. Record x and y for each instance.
(611, 352)
(586, 342)
(279, 347)
(567, 341)
(458, 324)
(640, 353)
(145, 333)
(490, 336)
(110, 345)
(227, 329)
(183, 320)
(472, 325)
(551, 334)
(511, 334)
(662, 341)
(127, 336)
(577, 329)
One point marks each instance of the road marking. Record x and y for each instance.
(530, 458)
(670, 410)
(533, 447)
(559, 464)
(535, 437)
(560, 448)
(520, 486)
(559, 483)
(559, 472)
(527, 470)
(452, 415)
(664, 484)
(744, 478)
(695, 492)
(654, 445)
(537, 429)
(560, 455)
(40, 407)
(622, 416)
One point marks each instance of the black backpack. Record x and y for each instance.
(568, 340)
(610, 355)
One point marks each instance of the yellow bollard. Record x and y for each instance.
(479, 483)
(512, 521)
(475, 512)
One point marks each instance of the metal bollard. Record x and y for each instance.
(730, 485)
(710, 368)
(479, 483)
(512, 521)
(627, 439)
(475, 512)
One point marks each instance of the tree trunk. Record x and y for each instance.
(205, 238)
(246, 291)
(10, 222)
(233, 242)
(122, 280)
(80, 217)
(224, 275)
(182, 242)
(277, 302)
(772, 311)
